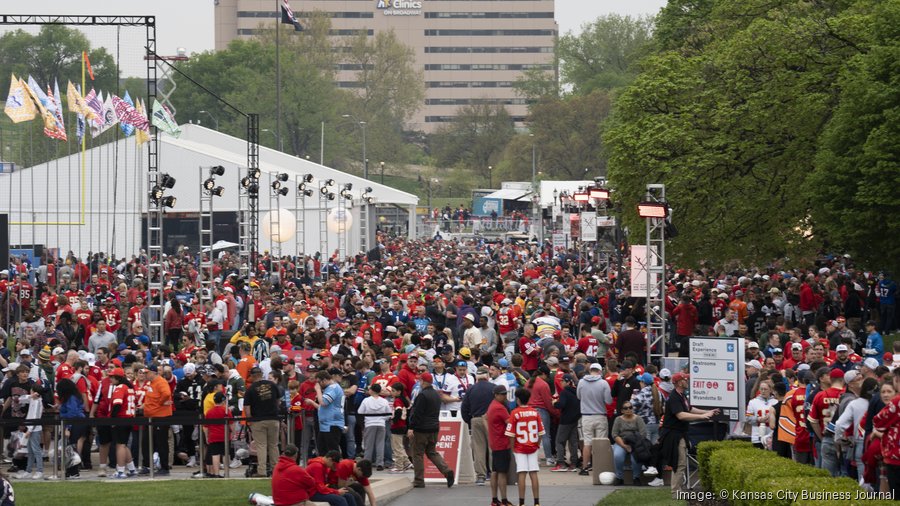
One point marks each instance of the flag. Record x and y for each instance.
(141, 136)
(163, 120)
(79, 117)
(127, 114)
(60, 133)
(40, 101)
(127, 128)
(19, 106)
(287, 16)
(77, 103)
(87, 62)
(107, 118)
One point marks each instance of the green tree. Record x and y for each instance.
(475, 140)
(566, 133)
(604, 54)
(853, 189)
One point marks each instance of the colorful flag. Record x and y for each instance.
(40, 101)
(94, 101)
(58, 111)
(141, 136)
(80, 120)
(163, 120)
(19, 106)
(77, 103)
(287, 16)
(127, 114)
(127, 128)
(87, 61)
(108, 117)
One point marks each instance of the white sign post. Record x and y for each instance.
(638, 270)
(588, 226)
(717, 375)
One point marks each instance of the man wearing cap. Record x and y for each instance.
(424, 424)
(187, 398)
(727, 326)
(792, 420)
(795, 356)
(752, 369)
(874, 343)
(157, 404)
(262, 400)
(101, 338)
(843, 359)
(471, 334)
(677, 416)
(594, 393)
(867, 368)
(495, 420)
(474, 407)
(821, 411)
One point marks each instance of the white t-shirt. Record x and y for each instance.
(375, 405)
(448, 383)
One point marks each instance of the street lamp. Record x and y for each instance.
(362, 126)
(277, 138)
(215, 121)
(382, 172)
(490, 176)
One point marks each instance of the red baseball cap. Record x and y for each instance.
(427, 377)
(678, 376)
(836, 374)
(118, 371)
(404, 357)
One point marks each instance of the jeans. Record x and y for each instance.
(388, 445)
(216, 337)
(334, 499)
(830, 461)
(309, 434)
(818, 456)
(351, 436)
(886, 312)
(619, 456)
(545, 441)
(653, 432)
(373, 436)
(35, 456)
(567, 433)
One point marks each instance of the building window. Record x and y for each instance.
(489, 15)
(474, 101)
(488, 66)
(351, 32)
(488, 49)
(450, 119)
(468, 84)
(488, 33)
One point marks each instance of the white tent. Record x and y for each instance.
(99, 207)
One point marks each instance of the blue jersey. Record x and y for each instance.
(886, 290)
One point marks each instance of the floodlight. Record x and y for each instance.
(209, 184)
(308, 178)
(276, 185)
(282, 191)
(168, 181)
(281, 177)
(218, 170)
(168, 201)
(156, 193)
(218, 191)
(653, 210)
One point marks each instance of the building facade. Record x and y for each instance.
(471, 51)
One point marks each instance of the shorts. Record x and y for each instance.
(214, 449)
(500, 460)
(594, 427)
(526, 462)
(104, 434)
(120, 434)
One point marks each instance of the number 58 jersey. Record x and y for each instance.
(526, 427)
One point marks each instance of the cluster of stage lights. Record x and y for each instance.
(250, 182)
(278, 188)
(210, 184)
(328, 187)
(157, 193)
(303, 188)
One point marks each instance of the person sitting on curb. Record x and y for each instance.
(291, 484)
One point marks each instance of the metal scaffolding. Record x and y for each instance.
(656, 282)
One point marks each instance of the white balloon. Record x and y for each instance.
(281, 230)
(336, 216)
(607, 478)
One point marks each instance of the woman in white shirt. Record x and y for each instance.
(849, 421)
(758, 414)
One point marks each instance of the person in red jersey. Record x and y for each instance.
(497, 417)
(525, 430)
(887, 422)
(291, 484)
(122, 406)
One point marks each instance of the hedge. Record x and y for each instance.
(765, 479)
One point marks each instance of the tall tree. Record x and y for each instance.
(566, 133)
(475, 139)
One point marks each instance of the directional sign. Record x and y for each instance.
(717, 380)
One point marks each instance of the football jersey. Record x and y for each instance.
(525, 426)
(823, 406)
(589, 345)
(123, 396)
(385, 380)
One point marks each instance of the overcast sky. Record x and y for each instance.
(189, 23)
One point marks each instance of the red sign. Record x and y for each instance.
(730, 386)
(448, 445)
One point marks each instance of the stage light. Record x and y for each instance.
(308, 178)
(168, 181)
(218, 170)
(209, 184)
(599, 193)
(308, 192)
(276, 185)
(370, 200)
(581, 197)
(156, 193)
(348, 196)
(653, 210)
(301, 187)
(245, 182)
(282, 191)
(323, 190)
(368, 189)
(329, 182)
(348, 186)
(218, 191)
(253, 189)
(281, 177)
(255, 173)
(168, 201)
(330, 196)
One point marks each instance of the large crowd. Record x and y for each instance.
(344, 367)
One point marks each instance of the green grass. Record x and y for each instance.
(641, 497)
(124, 492)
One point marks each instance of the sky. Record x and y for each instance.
(189, 23)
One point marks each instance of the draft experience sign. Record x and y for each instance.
(717, 376)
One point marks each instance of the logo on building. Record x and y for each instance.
(400, 7)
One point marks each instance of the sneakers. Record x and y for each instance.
(198, 474)
(408, 466)
(560, 468)
(479, 482)
(21, 475)
(651, 471)
(575, 469)
(192, 462)
(584, 472)
(119, 475)
(379, 468)
(396, 470)
(234, 464)
(102, 472)
(37, 476)
(132, 473)
(143, 471)
(551, 462)
(450, 478)
(619, 482)
(657, 482)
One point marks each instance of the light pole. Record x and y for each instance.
(536, 200)
(382, 172)
(490, 176)
(215, 120)
(362, 125)
(277, 138)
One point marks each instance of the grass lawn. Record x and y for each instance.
(125, 492)
(641, 497)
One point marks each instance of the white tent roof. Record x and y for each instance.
(508, 194)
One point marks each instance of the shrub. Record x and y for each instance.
(705, 449)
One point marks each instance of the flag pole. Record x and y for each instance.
(278, 75)
(83, 139)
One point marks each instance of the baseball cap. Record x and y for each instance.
(739, 293)
(841, 347)
(465, 352)
(836, 374)
(871, 363)
(255, 370)
(482, 371)
(461, 363)
(153, 368)
(500, 390)
(12, 366)
(680, 376)
(390, 328)
(190, 368)
(851, 375)
(504, 363)
(753, 344)
(404, 357)
(596, 367)
(754, 364)
(58, 350)
(777, 351)
(552, 361)
(646, 378)
(470, 317)
(427, 377)
(26, 351)
(506, 302)
(798, 346)
(665, 374)
(803, 367)
(118, 371)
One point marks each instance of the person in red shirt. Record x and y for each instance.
(531, 352)
(795, 399)
(49, 302)
(826, 401)
(887, 422)
(541, 399)
(66, 369)
(215, 435)
(353, 475)
(497, 417)
(374, 327)
(385, 378)
(25, 292)
(588, 344)
(321, 469)
(525, 429)
(111, 314)
(291, 484)
(296, 408)
(122, 406)
(686, 317)
(408, 371)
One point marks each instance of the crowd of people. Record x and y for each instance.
(344, 366)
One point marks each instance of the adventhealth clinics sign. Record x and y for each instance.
(400, 7)
(717, 375)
